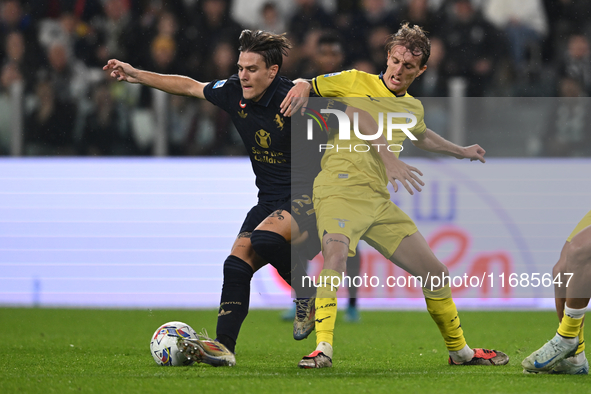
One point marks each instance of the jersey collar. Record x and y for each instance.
(269, 93)
(386, 86)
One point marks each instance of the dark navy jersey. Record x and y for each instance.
(265, 132)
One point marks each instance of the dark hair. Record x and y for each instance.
(412, 38)
(270, 46)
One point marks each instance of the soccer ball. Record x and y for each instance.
(163, 344)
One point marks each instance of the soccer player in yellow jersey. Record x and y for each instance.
(352, 201)
(565, 353)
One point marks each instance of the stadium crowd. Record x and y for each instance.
(57, 48)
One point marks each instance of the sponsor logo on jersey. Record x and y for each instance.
(331, 74)
(219, 84)
(263, 138)
(242, 114)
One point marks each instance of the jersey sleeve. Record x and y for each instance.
(220, 92)
(335, 84)
(420, 127)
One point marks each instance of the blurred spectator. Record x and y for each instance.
(19, 63)
(565, 17)
(184, 118)
(49, 127)
(433, 82)
(13, 18)
(418, 12)
(376, 43)
(576, 62)
(525, 25)
(115, 31)
(222, 62)
(568, 125)
(327, 56)
(373, 14)
(365, 66)
(83, 10)
(106, 130)
(80, 39)
(213, 133)
(214, 24)
(473, 46)
(271, 19)
(309, 16)
(68, 75)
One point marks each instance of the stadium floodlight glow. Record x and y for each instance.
(345, 125)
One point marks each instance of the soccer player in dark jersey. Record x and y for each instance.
(252, 97)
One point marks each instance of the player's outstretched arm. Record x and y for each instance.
(396, 169)
(296, 98)
(173, 84)
(433, 142)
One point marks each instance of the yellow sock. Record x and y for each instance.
(443, 310)
(326, 307)
(581, 347)
(569, 327)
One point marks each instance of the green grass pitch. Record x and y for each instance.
(107, 351)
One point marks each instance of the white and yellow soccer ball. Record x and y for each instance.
(163, 345)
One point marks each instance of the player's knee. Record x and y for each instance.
(269, 245)
(579, 253)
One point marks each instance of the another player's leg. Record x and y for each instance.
(353, 269)
(414, 256)
(272, 240)
(335, 249)
(567, 344)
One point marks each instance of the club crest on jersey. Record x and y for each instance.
(341, 222)
(279, 120)
(219, 84)
(331, 74)
(408, 120)
(263, 138)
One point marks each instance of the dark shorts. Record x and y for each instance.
(259, 212)
(302, 211)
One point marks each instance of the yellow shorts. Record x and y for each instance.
(358, 212)
(585, 222)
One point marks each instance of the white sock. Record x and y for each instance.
(462, 355)
(325, 348)
(574, 313)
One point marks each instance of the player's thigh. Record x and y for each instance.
(242, 248)
(278, 222)
(343, 214)
(390, 227)
(579, 242)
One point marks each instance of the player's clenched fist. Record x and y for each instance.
(122, 71)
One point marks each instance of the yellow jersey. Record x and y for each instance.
(355, 161)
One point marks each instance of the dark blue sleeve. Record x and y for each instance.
(221, 92)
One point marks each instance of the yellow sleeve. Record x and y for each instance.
(334, 84)
(419, 112)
